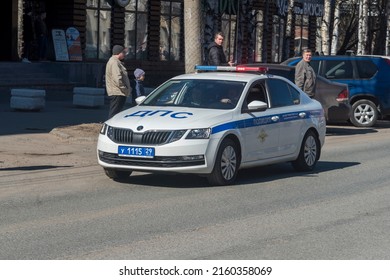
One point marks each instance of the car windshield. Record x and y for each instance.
(213, 94)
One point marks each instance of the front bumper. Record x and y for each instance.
(182, 156)
(156, 162)
(340, 113)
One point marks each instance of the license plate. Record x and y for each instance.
(132, 151)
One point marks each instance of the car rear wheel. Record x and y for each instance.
(309, 153)
(364, 113)
(117, 174)
(226, 164)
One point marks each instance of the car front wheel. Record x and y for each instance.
(364, 113)
(309, 153)
(226, 164)
(117, 174)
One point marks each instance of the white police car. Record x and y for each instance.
(213, 124)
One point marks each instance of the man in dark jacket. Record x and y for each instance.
(216, 56)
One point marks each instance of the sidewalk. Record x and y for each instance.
(55, 114)
(60, 136)
(59, 111)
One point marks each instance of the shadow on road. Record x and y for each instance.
(256, 175)
(339, 130)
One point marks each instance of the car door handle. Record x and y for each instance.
(302, 115)
(275, 118)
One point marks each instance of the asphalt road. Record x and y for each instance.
(339, 211)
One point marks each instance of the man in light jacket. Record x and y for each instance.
(305, 77)
(117, 80)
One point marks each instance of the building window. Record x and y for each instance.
(301, 34)
(171, 30)
(229, 28)
(98, 29)
(136, 28)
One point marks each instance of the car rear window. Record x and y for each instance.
(338, 69)
(366, 69)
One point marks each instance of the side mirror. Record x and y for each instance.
(139, 99)
(257, 105)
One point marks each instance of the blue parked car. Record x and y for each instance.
(368, 79)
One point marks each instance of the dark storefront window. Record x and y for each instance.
(171, 30)
(98, 29)
(136, 28)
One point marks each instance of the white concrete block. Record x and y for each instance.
(88, 96)
(88, 100)
(27, 99)
(88, 91)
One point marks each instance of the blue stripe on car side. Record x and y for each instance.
(264, 120)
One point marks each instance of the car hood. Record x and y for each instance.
(143, 118)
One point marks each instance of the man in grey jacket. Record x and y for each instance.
(305, 77)
(117, 80)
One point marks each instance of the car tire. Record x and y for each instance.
(226, 164)
(364, 113)
(117, 174)
(309, 153)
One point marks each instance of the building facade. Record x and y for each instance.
(165, 38)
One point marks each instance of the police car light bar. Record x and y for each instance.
(231, 68)
(252, 68)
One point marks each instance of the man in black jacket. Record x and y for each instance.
(216, 56)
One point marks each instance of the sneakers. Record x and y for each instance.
(25, 60)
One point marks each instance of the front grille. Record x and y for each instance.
(155, 137)
(166, 162)
(127, 136)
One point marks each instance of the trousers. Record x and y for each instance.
(117, 102)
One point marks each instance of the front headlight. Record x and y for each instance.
(199, 133)
(176, 135)
(103, 129)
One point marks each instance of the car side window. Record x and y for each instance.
(295, 95)
(281, 93)
(338, 69)
(366, 69)
(256, 92)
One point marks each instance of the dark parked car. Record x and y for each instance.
(368, 80)
(333, 96)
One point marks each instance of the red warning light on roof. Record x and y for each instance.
(242, 68)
